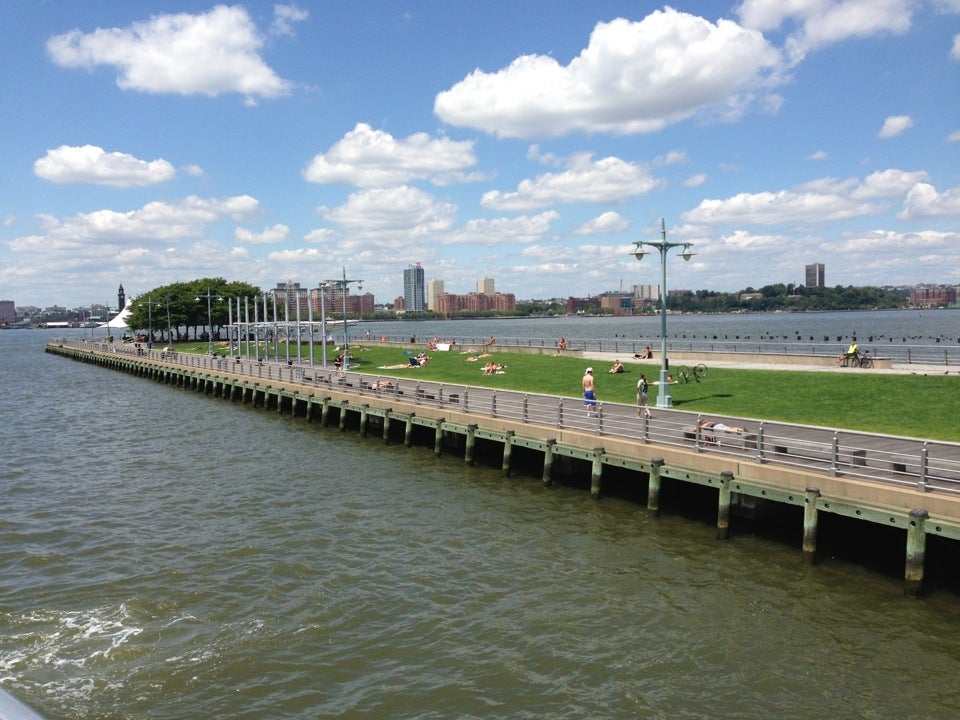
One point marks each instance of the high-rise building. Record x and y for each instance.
(815, 276)
(485, 286)
(414, 299)
(434, 290)
(8, 312)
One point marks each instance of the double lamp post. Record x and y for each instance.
(663, 387)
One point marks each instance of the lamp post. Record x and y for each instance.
(323, 321)
(210, 297)
(663, 388)
(344, 286)
(169, 326)
(150, 304)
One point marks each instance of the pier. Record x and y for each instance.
(903, 483)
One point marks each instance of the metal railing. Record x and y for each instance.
(926, 465)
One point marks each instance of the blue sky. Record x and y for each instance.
(532, 142)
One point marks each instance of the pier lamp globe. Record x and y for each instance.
(642, 248)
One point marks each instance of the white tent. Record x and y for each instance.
(120, 321)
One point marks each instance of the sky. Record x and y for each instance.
(532, 142)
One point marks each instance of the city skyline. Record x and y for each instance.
(534, 143)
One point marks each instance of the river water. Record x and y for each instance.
(169, 555)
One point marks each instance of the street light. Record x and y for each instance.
(323, 287)
(663, 388)
(210, 297)
(344, 285)
(150, 304)
(169, 326)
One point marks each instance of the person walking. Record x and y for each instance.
(642, 399)
(589, 394)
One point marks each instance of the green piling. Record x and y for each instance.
(916, 550)
(810, 517)
(723, 506)
(653, 488)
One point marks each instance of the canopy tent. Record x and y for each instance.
(120, 321)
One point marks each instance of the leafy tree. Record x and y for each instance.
(184, 306)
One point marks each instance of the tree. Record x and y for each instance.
(178, 303)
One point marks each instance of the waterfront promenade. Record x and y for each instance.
(898, 482)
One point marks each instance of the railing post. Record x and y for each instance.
(835, 462)
(924, 457)
(760, 458)
(493, 404)
(525, 403)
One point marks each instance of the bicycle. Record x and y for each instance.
(698, 373)
(866, 362)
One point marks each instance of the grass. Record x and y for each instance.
(922, 406)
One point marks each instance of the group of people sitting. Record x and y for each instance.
(492, 368)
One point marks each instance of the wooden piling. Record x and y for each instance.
(438, 438)
(363, 420)
(548, 462)
(507, 451)
(810, 518)
(468, 454)
(653, 488)
(723, 506)
(916, 552)
(386, 426)
(596, 473)
(408, 432)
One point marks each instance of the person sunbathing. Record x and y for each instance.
(721, 427)
(617, 368)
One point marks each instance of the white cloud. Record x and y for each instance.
(894, 125)
(823, 22)
(156, 243)
(954, 136)
(605, 223)
(502, 231)
(818, 155)
(9, 220)
(695, 180)
(193, 170)
(284, 16)
(404, 212)
(373, 158)
(821, 200)
(270, 236)
(91, 164)
(206, 54)
(585, 180)
(955, 50)
(155, 222)
(633, 77)
(923, 201)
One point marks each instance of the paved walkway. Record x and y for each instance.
(897, 369)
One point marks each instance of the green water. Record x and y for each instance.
(170, 555)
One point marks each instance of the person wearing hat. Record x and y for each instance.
(589, 395)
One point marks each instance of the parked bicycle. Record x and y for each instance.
(860, 360)
(685, 374)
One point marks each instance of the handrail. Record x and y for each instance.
(13, 709)
(927, 465)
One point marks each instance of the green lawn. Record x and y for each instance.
(912, 405)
